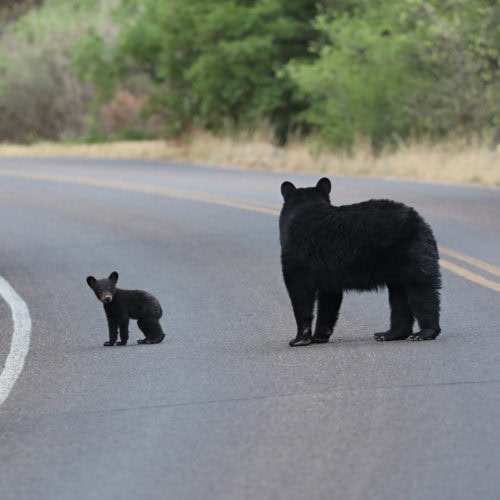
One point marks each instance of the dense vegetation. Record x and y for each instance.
(386, 70)
(10, 10)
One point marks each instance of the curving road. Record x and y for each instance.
(224, 409)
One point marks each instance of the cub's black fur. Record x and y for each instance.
(327, 250)
(122, 305)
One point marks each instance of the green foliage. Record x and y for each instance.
(459, 53)
(10, 10)
(390, 70)
(378, 69)
(41, 96)
(211, 63)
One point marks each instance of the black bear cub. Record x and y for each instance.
(327, 250)
(122, 305)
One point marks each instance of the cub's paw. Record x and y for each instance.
(426, 334)
(151, 341)
(391, 335)
(108, 343)
(159, 339)
(121, 342)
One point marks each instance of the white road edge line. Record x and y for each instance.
(20, 339)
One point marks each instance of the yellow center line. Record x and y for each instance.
(471, 260)
(469, 275)
(147, 189)
(261, 207)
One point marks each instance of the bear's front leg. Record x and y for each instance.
(328, 313)
(304, 337)
(123, 332)
(302, 298)
(112, 331)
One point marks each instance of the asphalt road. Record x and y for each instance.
(224, 409)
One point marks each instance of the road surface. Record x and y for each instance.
(223, 408)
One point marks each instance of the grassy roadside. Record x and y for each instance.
(443, 162)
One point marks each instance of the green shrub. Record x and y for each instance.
(41, 96)
(210, 62)
(391, 70)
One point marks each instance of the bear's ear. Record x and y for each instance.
(324, 185)
(287, 188)
(90, 281)
(113, 277)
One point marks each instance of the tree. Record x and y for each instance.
(391, 70)
(212, 63)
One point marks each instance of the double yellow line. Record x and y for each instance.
(470, 273)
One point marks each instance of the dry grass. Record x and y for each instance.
(149, 150)
(445, 162)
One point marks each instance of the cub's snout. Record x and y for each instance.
(106, 298)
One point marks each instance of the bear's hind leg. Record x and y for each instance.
(401, 316)
(328, 313)
(152, 331)
(424, 302)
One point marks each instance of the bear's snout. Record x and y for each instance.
(106, 298)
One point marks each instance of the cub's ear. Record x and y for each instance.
(90, 281)
(113, 277)
(287, 188)
(324, 185)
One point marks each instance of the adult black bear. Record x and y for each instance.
(326, 250)
(121, 305)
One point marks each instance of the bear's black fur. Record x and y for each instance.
(326, 250)
(122, 305)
